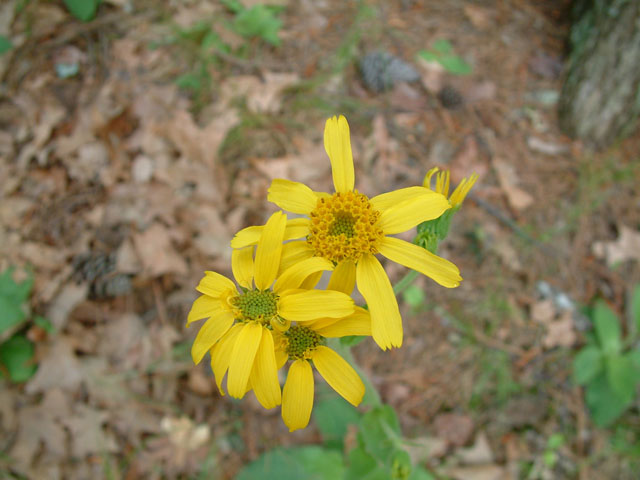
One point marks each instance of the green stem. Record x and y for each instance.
(405, 282)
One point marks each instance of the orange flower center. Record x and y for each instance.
(344, 227)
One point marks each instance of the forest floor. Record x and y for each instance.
(132, 149)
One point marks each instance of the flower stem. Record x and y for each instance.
(405, 282)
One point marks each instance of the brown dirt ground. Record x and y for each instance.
(117, 161)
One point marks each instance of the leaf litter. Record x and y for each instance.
(115, 158)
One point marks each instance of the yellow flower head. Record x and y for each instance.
(442, 185)
(305, 343)
(241, 322)
(349, 229)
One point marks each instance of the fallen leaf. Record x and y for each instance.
(267, 98)
(59, 367)
(456, 429)
(543, 311)
(156, 252)
(561, 332)
(64, 303)
(478, 16)
(213, 237)
(426, 448)
(477, 454)
(479, 472)
(548, 148)
(87, 434)
(518, 198)
(625, 247)
(40, 424)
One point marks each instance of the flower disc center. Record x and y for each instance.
(301, 341)
(344, 226)
(261, 305)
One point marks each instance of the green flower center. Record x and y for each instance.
(301, 341)
(343, 224)
(257, 305)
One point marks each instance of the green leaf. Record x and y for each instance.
(442, 46)
(363, 466)
(428, 56)
(189, 81)
(605, 405)
(259, 21)
(5, 44)
(455, 64)
(635, 307)
(16, 355)
(352, 340)
(380, 433)
(414, 296)
(587, 364)
(12, 296)
(333, 416)
(419, 473)
(311, 462)
(555, 441)
(622, 376)
(607, 328)
(45, 324)
(83, 10)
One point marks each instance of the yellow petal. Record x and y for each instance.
(300, 306)
(242, 357)
(463, 188)
(296, 228)
(427, 178)
(339, 374)
(294, 252)
(417, 258)
(242, 265)
(297, 396)
(293, 276)
(221, 354)
(410, 213)
(337, 143)
(373, 283)
(203, 307)
(311, 281)
(294, 197)
(358, 323)
(264, 375)
(281, 358)
(213, 284)
(269, 251)
(343, 278)
(212, 330)
(387, 200)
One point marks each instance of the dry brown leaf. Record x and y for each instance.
(477, 454)
(625, 247)
(58, 367)
(543, 311)
(431, 75)
(454, 428)
(508, 178)
(40, 424)
(479, 472)
(479, 17)
(213, 237)
(467, 160)
(156, 252)
(561, 332)
(87, 434)
(64, 303)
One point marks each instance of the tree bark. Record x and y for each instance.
(600, 98)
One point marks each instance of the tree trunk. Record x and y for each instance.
(600, 98)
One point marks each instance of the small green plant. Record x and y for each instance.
(5, 45)
(258, 21)
(442, 52)
(84, 10)
(607, 366)
(379, 453)
(16, 351)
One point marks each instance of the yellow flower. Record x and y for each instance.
(442, 185)
(349, 229)
(305, 343)
(239, 330)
